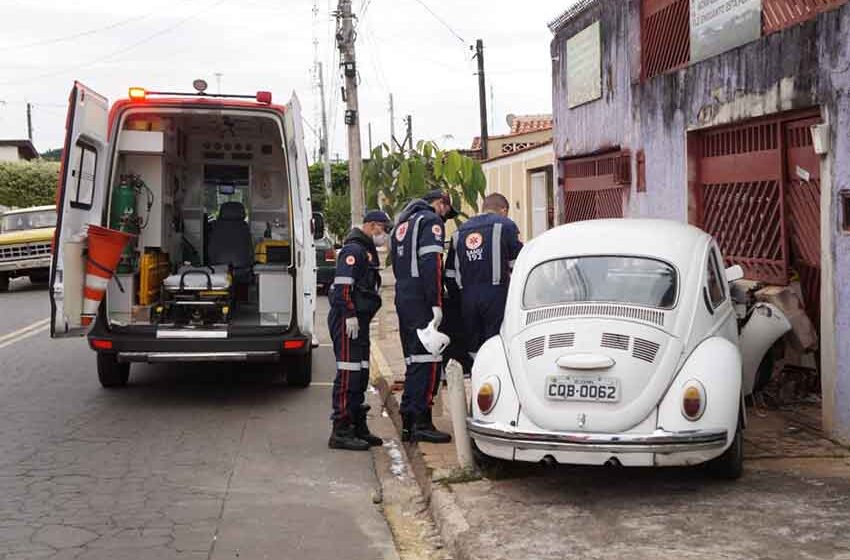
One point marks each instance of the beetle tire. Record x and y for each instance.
(730, 465)
(110, 372)
(299, 371)
(4, 283)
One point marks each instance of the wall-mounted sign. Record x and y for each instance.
(584, 66)
(721, 25)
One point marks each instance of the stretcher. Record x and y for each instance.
(196, 295)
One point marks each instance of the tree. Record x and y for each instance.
(339, 182)
(338, 215)
(398, 177)
(24, 184)
(52, 155)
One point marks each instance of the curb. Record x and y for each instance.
(440, 499)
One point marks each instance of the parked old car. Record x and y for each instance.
(325, 264)
(26, 236)
(620, 346)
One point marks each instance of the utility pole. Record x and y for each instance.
(392, 125)
(370, 139)
(345, 39)
(324, 149)
(408, 138)
(218, 76)
(482, 97)
(29, 121)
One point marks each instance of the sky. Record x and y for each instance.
(418, 50)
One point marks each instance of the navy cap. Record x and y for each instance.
(437, 194)
(379, 217)
(376, 216)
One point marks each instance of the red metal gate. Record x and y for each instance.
(595, 186)
(760, 198)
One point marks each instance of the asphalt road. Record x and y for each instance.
(195, 461)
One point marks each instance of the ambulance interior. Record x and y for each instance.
(207, 196)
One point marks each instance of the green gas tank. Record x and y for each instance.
(123, 216)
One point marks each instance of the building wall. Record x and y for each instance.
(804, 66)
(511, 176)
(495, 145)
(9, 153)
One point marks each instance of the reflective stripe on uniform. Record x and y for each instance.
(430, 249)
(348, 366)
(455, 241)
(344, 280)
(451, 274)
(497, 254)
(414, 246)
(364, 364)
(422, 359)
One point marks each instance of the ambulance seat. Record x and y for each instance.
(230, 242)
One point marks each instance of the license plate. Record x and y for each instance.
(582, 388)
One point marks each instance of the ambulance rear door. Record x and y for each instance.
(80, 201)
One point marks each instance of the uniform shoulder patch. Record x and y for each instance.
(437, 230)
(401, 231)
(350, 260)
(474, 241)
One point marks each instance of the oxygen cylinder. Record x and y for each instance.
(124, 217)
(74, 265)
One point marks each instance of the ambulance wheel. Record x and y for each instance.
(4, 283)
(110, 372)
(299, 370)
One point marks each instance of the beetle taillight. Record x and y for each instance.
(693, 401)
(488, 394)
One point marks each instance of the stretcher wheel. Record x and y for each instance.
(111, 372)
(299, 370)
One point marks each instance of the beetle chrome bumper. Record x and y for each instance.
(659, 441)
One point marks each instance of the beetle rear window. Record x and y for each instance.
(611, 279)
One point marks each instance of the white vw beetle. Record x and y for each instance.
(620, 346)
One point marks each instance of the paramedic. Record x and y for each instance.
(417, 255)
(481, 259)
(354, 300)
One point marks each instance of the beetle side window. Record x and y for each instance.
(716, 291)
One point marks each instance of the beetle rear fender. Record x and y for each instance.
(716, 366)
(491, 361)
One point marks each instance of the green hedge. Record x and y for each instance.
(24, 184)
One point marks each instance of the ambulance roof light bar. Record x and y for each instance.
(140, 94)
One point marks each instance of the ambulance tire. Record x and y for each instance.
(111, 373)
(299, 370)
(4, 283)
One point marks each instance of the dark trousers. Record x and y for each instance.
(352, 367)
(422, 372)
(483, 311)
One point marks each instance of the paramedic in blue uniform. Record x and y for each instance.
(417, 259)
(354, 300)
(480, 261)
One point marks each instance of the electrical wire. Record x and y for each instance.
(114, 54)
(73, 36)
(441, 20)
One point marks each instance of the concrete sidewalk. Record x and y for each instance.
(792, 502)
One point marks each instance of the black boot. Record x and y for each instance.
(405, 427)
(343, 436)
(361, 429)
(424, 430)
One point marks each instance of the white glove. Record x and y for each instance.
(438, 316)
(352, 328)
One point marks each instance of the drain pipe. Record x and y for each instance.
(459, 411)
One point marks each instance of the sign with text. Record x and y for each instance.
(584, 66)
(721, 25)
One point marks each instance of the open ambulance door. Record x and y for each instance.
(80, 201)
(302, 217)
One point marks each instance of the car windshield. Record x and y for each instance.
(323, 244)
(611, 279)
(28, 220)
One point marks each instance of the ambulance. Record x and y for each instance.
(185, 232)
